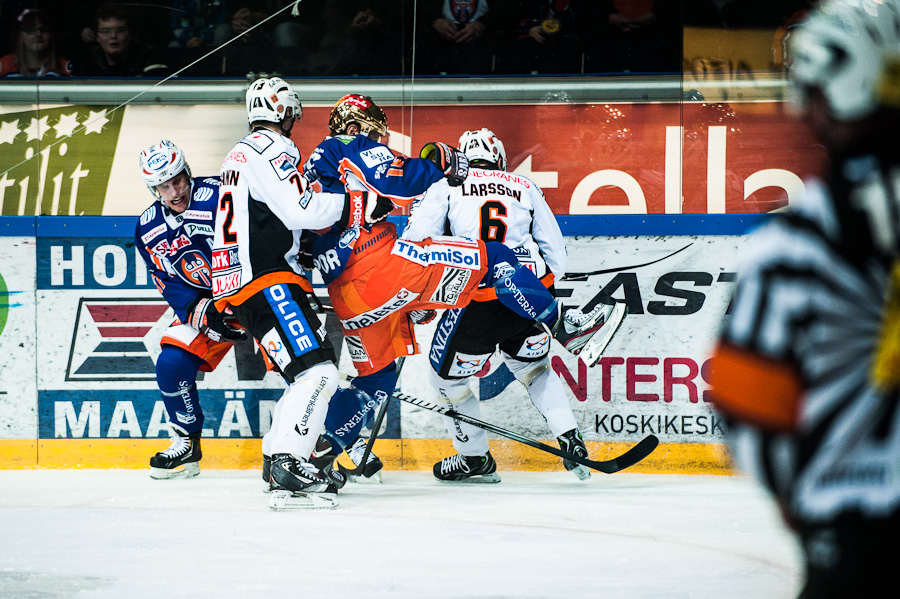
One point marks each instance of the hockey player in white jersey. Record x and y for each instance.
(495, 205)
(264, 208)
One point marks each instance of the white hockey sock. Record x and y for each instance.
(467, 439)
(303, 410)
(547, 393)
(276, 417)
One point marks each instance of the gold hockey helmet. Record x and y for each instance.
(361, 110)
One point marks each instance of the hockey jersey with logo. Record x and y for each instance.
(356, 163)
(178, 247)
(264, 207)
(498, 206)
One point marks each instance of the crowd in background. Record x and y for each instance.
(341, 38)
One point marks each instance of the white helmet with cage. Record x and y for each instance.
(850, 50)
(161, 162)
(272, 99)
(483, 145)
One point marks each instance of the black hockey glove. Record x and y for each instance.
(305, 251)
(422, 316)
(450, 161)
(209, 321)
(364, 208)
(377, 208)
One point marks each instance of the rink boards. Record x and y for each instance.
(81, 321)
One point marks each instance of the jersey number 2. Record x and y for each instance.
(226, 203)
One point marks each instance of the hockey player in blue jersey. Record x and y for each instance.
(353, 159)
(174, 237)
(379, 285)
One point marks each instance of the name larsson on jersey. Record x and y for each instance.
(484, 189)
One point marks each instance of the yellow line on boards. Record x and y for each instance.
(406, 454)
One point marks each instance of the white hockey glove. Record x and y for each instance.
(209, 321)
(422, 316)
(450, 161)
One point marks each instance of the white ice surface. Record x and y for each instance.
(91, 534)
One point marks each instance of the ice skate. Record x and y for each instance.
(298, 485)
(180, 460)
(267, 472)
(572, 442)
(468, 469)
(371, 473)
(587, 335)
(323, 457)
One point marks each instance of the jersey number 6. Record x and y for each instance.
(493, 228)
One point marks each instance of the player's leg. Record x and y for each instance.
(353, 409)
(176, 376)
(461, 346)
(287, 328)
(267, 441)
(528, 359)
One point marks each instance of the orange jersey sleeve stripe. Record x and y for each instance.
(487, 294)
(758, 390)
(345, 165)
(257, 285)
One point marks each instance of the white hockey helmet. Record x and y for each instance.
(161, 162)
(850, 50)
(272, 99)
(483, 145)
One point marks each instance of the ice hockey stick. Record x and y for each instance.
(376, 425)
(631, 457)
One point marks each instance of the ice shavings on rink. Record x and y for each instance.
(95, 534)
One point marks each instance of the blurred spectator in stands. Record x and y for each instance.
(272, 47)
(192, 33)
(549, 36)
(758, 13)
(457, 36)
(34, 49)
(639, 36)
(118, 52)
(193, 23)
(359, 37)
(784, 30)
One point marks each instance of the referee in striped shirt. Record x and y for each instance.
(807, 369)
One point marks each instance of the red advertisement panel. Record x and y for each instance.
(628, 158)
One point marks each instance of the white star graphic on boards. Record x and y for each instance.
(8, 131)
(95, 122)
(66, 125)
(36, 129)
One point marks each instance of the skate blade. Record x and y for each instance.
(474, 480)
(284, 501)
(189, 470)
(375, 479)
(595, 347)
(582, 472)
